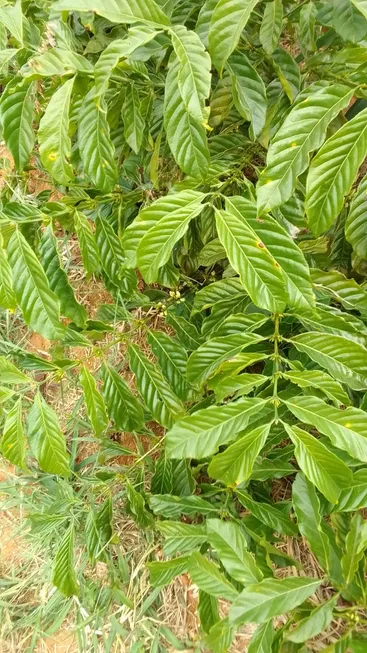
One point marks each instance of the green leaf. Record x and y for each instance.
(53, 135)
(95, 146)
(98, 530)
(39, 305)
(64, 577)
(323, 468)
(259, 272)
(134, 123)
(249, 92)
(160, 400)
(270, 598)
(10, 374)
(110, 250)
(343, 290)
(194, 76)
(355, 231)
(239, 385)
(12, 18)
(13, 443)
(215, 292)
(46, 440)
(268, 514)
(286, 253)
(344, 359)
(355, 544)
(7, 297)
(17, 112)
(317, 622)
(56, 62)
(5, 57)
(162, 573)
(96, 409)
(87, 243)
(288, 72)
(58, 279)
(220, 636)
(186, 332)
(332, 172)
(271, 26)
(136, 507)
(208, 611)
(347, 429)
(228, 20)
(235, 464)
(228, 540)
(172, 359)
(172, 507)
(186, 137)
(361, 6)
(348, 21)
(199, 435)
(122, 406)
(204, 19)
(207, 576)
(356, 496)
(180, 537)
(5, 394)
(155, 247)
(162, 479)
(262, 638)
(306, 506)
(204, 362)
(121, 11)
(320, 380)
(302, 132)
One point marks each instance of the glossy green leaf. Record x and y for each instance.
(45, 438)
(332, 172)
(355, 544)
(95, 406)
(270, 598)
(9, 373)
(12, 18)
(235, 464)
(259, 272)
(181, 537)
(172, 507)
(58, 279)
(134, 123)
(207, 610)
(249, 92)
(158, 397)
(122, 406)
(343, 290)
(17, 113)
(110, 250)
(239, 385)
(162, 573)
(268, 514)
(215, 292)
(95, 146)
(348, 21)
(262, 638)
(121, 11)
(199, 435)
(7, 297)
(186, 331)
(355, 496)
(288, 72)
(320, 380)
(315, 623)
(228, 540)
(220, 636)
(302, 132)
(64, 577)
(322, 468)
(345, 360)
(13, 443)
(208, 577)
(204, 19)
(39, 305)
(355, 226)
(271, 26)
(56, 62)
(87, 243)
(172, 359)
(229, 18)
(53, 135)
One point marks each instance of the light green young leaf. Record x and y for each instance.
(7, 297)
(228, 540)
(64, 577)
(55, 62)
(332, 172)
(123, 407)
(160, 400)
(322, 381)
(58, 279)
(343, 290)
(13, 443)
(228, 20)
(268, 514)
(186, 137)
(204, 19)
(323, 468)
(172, 359)
(220, 636)
(272, 597)
(87, 243)
(17, 112)
(199, 435)
(181, 537)
(344, 359)
(194, 75)
(235, 464)
(286, 253)
(262, 638)
(271, 26)
(355, 544)
(10, 374)
(5, 57)
(348, 22)
(259, 272)
(39, 305)
(355, 226)
(302, 132)
(249, 92)
(172, 507)
(162, 573)
(208, 577)
(53, 135)
(356, 496)
(315, 623)
(347, 429)
(11, 17)
(208, 611)
(361, 6)
(46, 440)
(118, 11)
(95, 146)
(95, 406)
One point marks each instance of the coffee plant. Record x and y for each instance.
(209, 159)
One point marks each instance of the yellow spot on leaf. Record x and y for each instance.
(52, 156)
